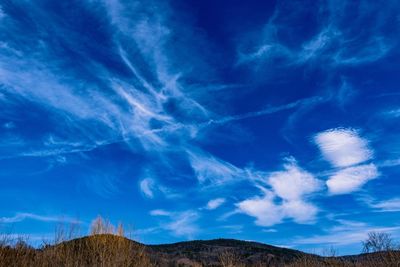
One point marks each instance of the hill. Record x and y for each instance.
(212, 252)
(111, 250)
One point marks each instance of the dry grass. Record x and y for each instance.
(105, 247)
(390, 258)
(229, 259)
(99, 250)
(382, 260)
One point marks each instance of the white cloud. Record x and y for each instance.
(291, 186)
(293, 183)
(300, 210)
(21, 216)
(213, 171)
(147, 187)
(266, 212)
(215, 203)
(387, 205)
(343, 147)
(351, 179)
(159, 212)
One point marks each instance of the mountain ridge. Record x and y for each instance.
(115, 250)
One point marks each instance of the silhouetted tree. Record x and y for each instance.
(377, 242)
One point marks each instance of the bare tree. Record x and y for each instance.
(377, 242)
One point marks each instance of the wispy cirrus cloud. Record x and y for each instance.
(160, 213)
(389, 163)
(345, 94)
(184, 224)
(21, 216)
(344, 233)
(142, 81)
(211, 170)
(270, 110)
(100, 105)
(181, 224)
(126, 111)
(333, 41)
(393, 113)
(145, 112)
(387, 205)
(147, 187)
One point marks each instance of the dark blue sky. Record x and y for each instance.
(259, 120)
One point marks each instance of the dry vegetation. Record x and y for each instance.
(229, 259)
(384, 259)
(104, 247)
(107, 246)
(379, 250)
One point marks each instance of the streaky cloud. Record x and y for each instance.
(178, 223)
(344, 233)
(21, 216)
(213, 171)
(160, 213)
(387, 205)
(184, 224)
(334, 42)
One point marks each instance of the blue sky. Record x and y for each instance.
(258, 120)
